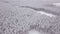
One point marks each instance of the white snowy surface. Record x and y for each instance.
(14, 19)
(47, 14)
(33, 32)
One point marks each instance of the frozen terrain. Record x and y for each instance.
(22, 16)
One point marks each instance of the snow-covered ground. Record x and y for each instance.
(17, 20)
